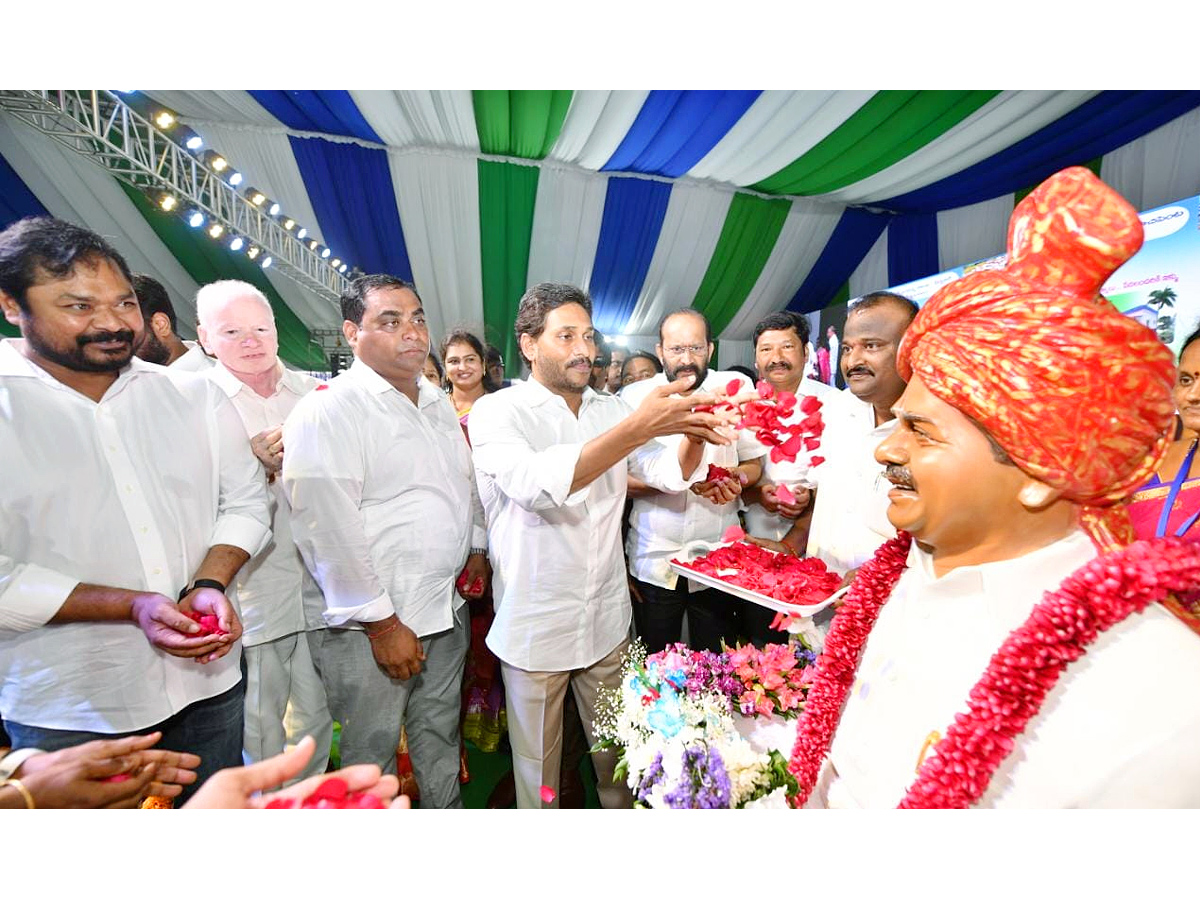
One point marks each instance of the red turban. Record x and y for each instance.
(1078, 394)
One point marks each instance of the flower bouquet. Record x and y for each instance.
(681, 722)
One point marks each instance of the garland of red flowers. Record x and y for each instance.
(1018, 677)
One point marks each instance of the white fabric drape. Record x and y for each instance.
(1160, 167)
(971, 233)
(77, 190)
(420, 118)
(778, 128)
(1007, 118)
(735, 353)
(438, 199)
(222, 106)
(595, 125)
(566, 226)
(805, 232)
(690, 230)
(872, 272)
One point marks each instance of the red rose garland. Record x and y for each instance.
(1018, 678)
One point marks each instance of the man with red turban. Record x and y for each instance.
(1033, 409)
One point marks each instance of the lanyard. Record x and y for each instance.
(1180, 477)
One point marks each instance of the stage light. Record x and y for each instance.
(301, 234)
(313, 245)
(167, 202)
(253, 252)
(289, 224)
(188, 138)
(215, 161)
(235, 178)
(195, 218)
(266, 263)
(325, 253)
(274, 209)
(342, 268)
(216, 230)
(335, 262)
(237, 243)
(164, 119)
(255, 196)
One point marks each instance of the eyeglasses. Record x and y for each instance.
(693, 349)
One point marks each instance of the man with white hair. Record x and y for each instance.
(280, 601)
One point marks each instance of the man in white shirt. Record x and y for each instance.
(550, 459)
(387, 518)
(846, 520)
(279, 599)
(161, 343)
(997, 670)
(662, 523)
(126, 487)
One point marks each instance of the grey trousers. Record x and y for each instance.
(372, 707)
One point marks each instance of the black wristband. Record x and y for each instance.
(202, 582)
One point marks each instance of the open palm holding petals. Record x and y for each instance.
(766, 413)
(802, 582)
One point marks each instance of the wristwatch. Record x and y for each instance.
(202, 582)
(478, 551)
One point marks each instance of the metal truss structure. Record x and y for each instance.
(107, 131)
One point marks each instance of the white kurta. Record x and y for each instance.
(195, 360)
(384, 508)
(849, 519)
(660, 525)
(1120, 728)
(560, 586)
(130, 492)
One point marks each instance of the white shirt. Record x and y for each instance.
(661, 524)
(849, 519)
(277, 594)
(1120, 728)
(130, 492)
(384, 508)
(195, 360)
(761, 523)
(559, 581)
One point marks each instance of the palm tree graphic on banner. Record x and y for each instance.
(1160, 300)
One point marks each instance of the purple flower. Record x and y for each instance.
(652, 776)
(703, 784)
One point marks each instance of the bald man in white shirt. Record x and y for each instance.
(280, 601)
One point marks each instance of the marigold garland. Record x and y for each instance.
(1018, 677)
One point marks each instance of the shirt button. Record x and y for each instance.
(144, 529)
(158, 571)
(129, 488)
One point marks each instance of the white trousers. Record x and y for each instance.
(285, 700)
(535, 715)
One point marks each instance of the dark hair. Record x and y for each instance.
(354, 298)
(538, 302)
(152, 298)
(686, 311)
(641, 354)
(41, 244)
(603, 350)
(744, 370)
(878, 298)
(437, 364)
(1191, 338)
(782, 321)
(462, 336)
(493, 356)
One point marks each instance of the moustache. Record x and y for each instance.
(859, 370)
(580, 360)
(779, 365)
(100, 337)
(899, 476)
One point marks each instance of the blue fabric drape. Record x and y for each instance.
(855, 233)
(633, 216)
(675, 129)
(352, 194)
(1107, 121)
(332, 112)
(16, 200)
(912, 247)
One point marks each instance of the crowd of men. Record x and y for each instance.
(335, 531)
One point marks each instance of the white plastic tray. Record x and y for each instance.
(699, 548)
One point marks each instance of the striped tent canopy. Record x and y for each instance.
(736, 203)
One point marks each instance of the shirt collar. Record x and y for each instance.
(375, 383)
(540, 394)
(14, 363)
(231, 385)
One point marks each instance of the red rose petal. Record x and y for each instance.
(784, 495)
(766, 390)
(330, 789)
(733, 533)
(208, 624)
(732, 387)
(120, 776)
(548, 794)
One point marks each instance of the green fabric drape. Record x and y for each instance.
(888, 127)
(751, 228)
(7, 330)
(207, 260)
(519, 123)
(507, 193)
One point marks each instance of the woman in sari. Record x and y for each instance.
(1169, 504)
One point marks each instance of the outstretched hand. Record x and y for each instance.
(664, 412)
